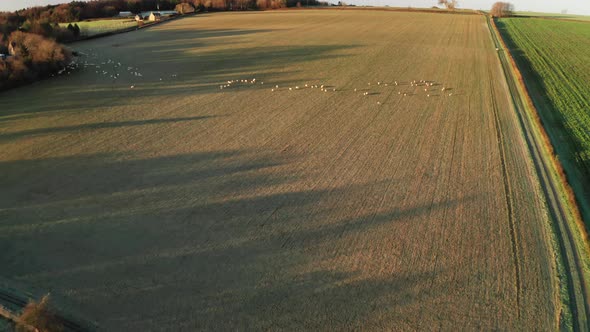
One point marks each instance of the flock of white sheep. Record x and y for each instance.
(114, 70)
(410, 88)
(109, 68)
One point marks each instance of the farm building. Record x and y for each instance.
(163, 13)
(12, 48)
(125, 14)
(138, 18)
(155, 17)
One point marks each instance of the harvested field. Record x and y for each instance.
(151, 193)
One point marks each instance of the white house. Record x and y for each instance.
(155, 17)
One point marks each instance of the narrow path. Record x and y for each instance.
(557, 207)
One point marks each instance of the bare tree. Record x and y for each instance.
(502, 9)
(450, 4)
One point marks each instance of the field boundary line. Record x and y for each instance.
(383, 9)
(563, 211)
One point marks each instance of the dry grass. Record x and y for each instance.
(177, 204)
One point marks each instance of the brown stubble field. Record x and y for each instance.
(180, 204)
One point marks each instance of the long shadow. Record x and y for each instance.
(95, 126)
(41, 182)
(536, 85)
(566, 146)
(190, 240)
(190, 39)
(169, 72)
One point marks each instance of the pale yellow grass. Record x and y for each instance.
(179, 205)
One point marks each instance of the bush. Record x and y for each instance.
(3, 46)
(185, 8)
(76, 31)
(39, 316)
(38, 50)
(34, 57)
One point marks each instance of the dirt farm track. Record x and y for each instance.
(149, 193)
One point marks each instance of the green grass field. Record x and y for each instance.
(91, 28)
(150, 193)
(5, 326)
(555, 16)
(554, 58)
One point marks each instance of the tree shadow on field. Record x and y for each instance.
(534, 82)
(174, 40)
(95, 126)
(567, 147)
(218, 240)
(174, 63)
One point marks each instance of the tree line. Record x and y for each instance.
(33, 34)
(82, 10)
(44, 20)
(502, 9)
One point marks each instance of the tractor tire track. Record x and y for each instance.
(509, 200)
